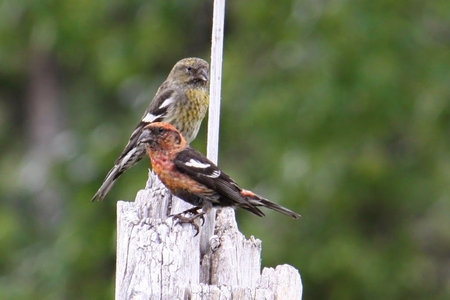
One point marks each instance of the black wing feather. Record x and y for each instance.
(155, 109)
(204, 175)
(213, 178)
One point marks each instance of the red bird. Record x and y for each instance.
(189, 175)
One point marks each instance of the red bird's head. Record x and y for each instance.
(161, 136)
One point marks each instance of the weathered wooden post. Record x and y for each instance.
(159, 260)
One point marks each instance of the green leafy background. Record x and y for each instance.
(339, 110)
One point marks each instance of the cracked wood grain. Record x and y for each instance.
(157, 259)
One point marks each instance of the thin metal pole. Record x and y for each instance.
(212, 149)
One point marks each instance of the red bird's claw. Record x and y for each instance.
(191, 220)
(202, 217)
(193, 211)
(196, 228)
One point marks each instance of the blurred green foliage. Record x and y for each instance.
(337, 109)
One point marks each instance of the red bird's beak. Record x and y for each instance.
(146, 137)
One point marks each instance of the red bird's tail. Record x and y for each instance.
(260, 201)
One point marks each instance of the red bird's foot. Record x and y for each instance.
(181, 218)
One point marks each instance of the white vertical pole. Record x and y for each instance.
(215, 80)
(212, 148)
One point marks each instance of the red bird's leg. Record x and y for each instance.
(180, 218)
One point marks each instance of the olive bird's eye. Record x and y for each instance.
(188, 69)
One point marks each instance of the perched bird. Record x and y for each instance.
(182, 100)
(189, 175)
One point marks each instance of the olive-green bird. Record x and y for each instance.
(182, 100)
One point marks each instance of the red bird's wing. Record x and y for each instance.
(201, 169)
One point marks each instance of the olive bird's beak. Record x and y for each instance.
(145, 137)
(203, 74)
